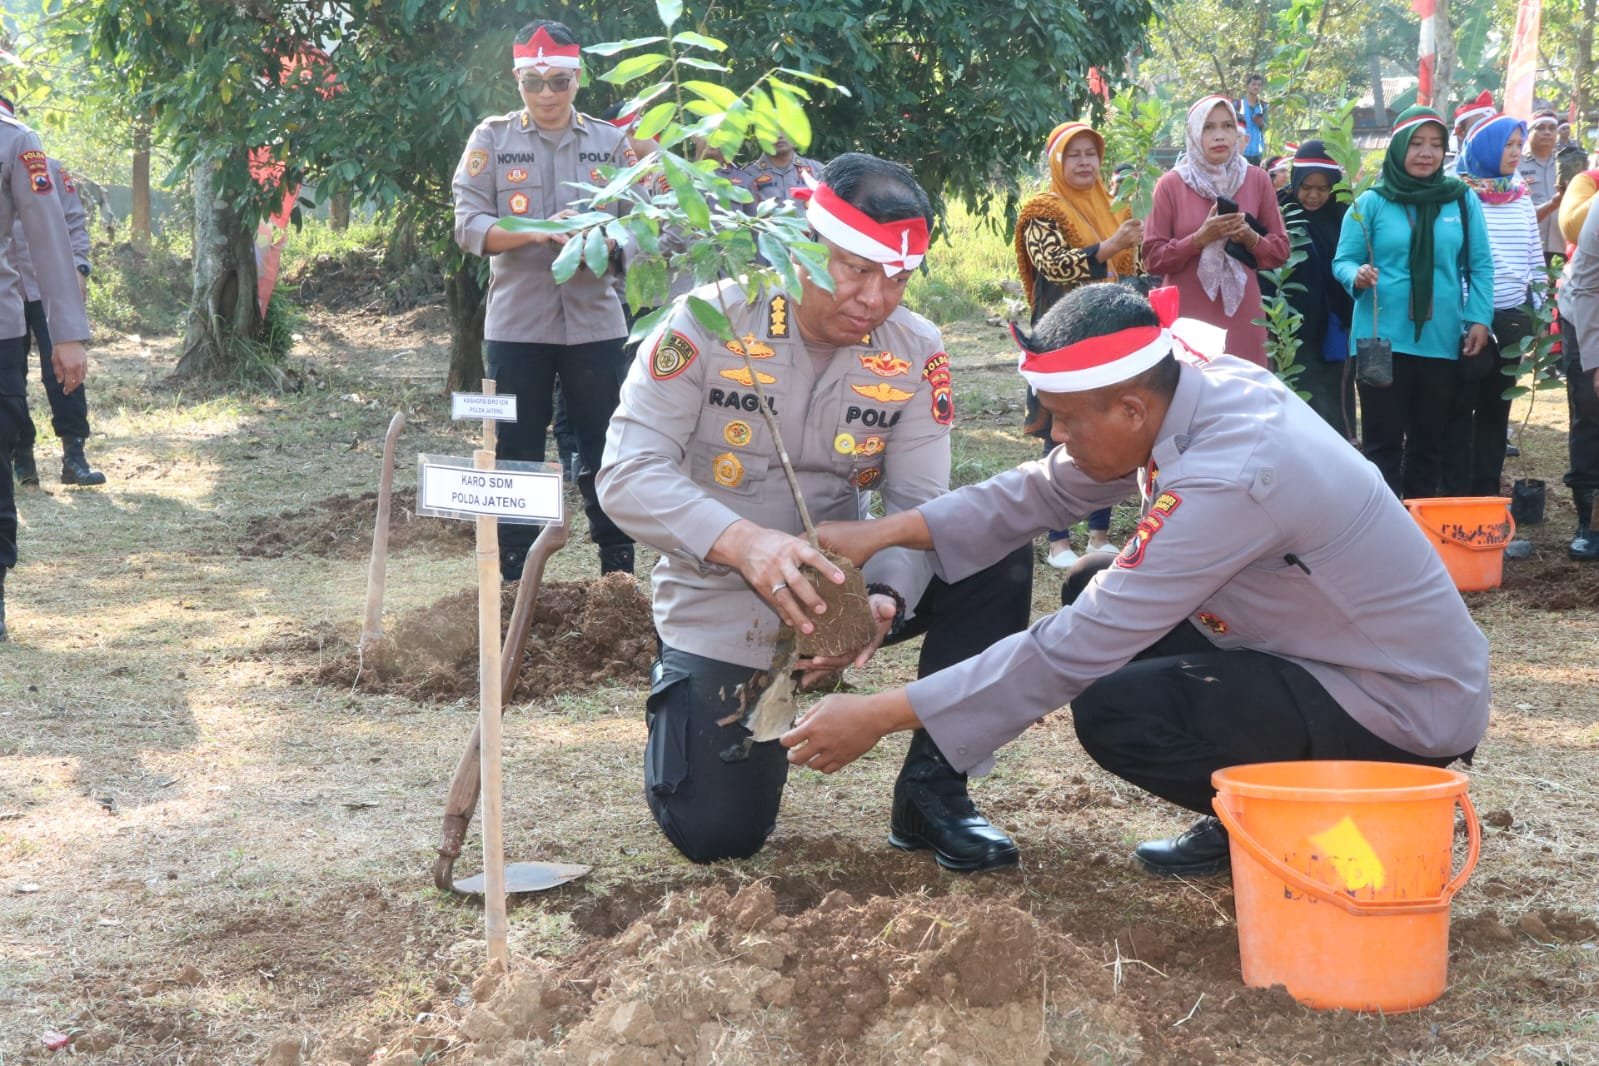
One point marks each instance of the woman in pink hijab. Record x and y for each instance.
(1211, 254)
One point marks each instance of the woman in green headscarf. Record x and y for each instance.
(1414, 253)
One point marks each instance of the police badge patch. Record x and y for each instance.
(672, 356)
(728, 470)
(520, 203)
(38, 168)
(936, 374)
(738, 433)
(476, 160)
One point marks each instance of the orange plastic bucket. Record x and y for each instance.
(1470, 533)
(1341, 878)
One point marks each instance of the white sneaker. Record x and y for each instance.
(1105, 547)
(1062, 558)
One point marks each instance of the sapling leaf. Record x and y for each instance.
(611, 48)
(710, 317)
(566, 264)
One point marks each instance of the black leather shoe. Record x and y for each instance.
(1199, 851)
(23, 466)
(511, 560)
(75, 468)
(616, 558)
(933, 811)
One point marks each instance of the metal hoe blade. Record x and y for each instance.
(526, 877)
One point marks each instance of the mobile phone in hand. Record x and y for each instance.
(1225, 205)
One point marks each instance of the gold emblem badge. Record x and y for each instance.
(844, 444)
(882, 392)
(520, 203)
(753, 348)
(871, 446)
(672, 356)
(742, 376)
(865, 479)
(476, 160)
(885, 365)
(727, 470)
(737, 433)
(777, 321)
(515, 176)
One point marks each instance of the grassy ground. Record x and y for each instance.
(208, 858)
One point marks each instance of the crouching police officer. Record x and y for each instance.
(27, 193)
(1276, 602)
(861, 392)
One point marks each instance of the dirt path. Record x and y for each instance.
(215, 838)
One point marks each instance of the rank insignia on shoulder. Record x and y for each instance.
(476, 160)
(844, 444)
(742, 376)
(515, 176)
(751, 347)
(885, 365)
(866, 341)
(777, 318)
(1212, 623)
(527, 119)
(738, 433)
(727, 470)
(519, 203)
(868, 477)
(882, 392)
(936, 374)
(67, 184)
(672, 356)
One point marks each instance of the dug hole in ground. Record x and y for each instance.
(216, 832)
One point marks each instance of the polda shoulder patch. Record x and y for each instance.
(672, 356)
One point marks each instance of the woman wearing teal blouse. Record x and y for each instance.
(1431, 275)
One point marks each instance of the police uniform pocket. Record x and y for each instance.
(519, 190)
(728, 468)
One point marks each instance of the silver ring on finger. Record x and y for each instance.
(779, 587)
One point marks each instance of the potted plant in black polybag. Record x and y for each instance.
(1374, 355)
(1536, 359)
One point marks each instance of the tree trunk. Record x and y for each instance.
(465, 299)
(141, 187)
(1379, 106)
(224, 316)
(339, 211)
(1444, 78)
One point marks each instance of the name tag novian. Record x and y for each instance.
(520, 493)
(479, 407)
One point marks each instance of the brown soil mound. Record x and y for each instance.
(717, 978)
(847, 625)
(583, 634)
(340, 527)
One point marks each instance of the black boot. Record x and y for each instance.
(1585, 545)
(932, 810)
(1198, 851)
(23, 466)
(616, 559)
(75, 468)
(3, 637)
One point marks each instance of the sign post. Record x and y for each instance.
(489, 695)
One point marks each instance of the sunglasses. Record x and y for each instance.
(559, 84)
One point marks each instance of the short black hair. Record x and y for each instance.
(882, 190)
(1097, 310)
(9, 106)
(1255, 77)
(559, 32)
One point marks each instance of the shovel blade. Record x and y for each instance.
(526, 877)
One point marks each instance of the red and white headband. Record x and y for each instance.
(1116, 357)
(1317, 163)
(898, 245)
(1418, 120)
(1543, 119)
(541, 51)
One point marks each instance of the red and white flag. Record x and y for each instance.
(1426, 50)
(1520, 75)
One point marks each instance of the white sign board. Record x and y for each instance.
(477, 407)
(520, 493)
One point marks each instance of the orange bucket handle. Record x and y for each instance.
(1470, 545)
(1360, 909)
